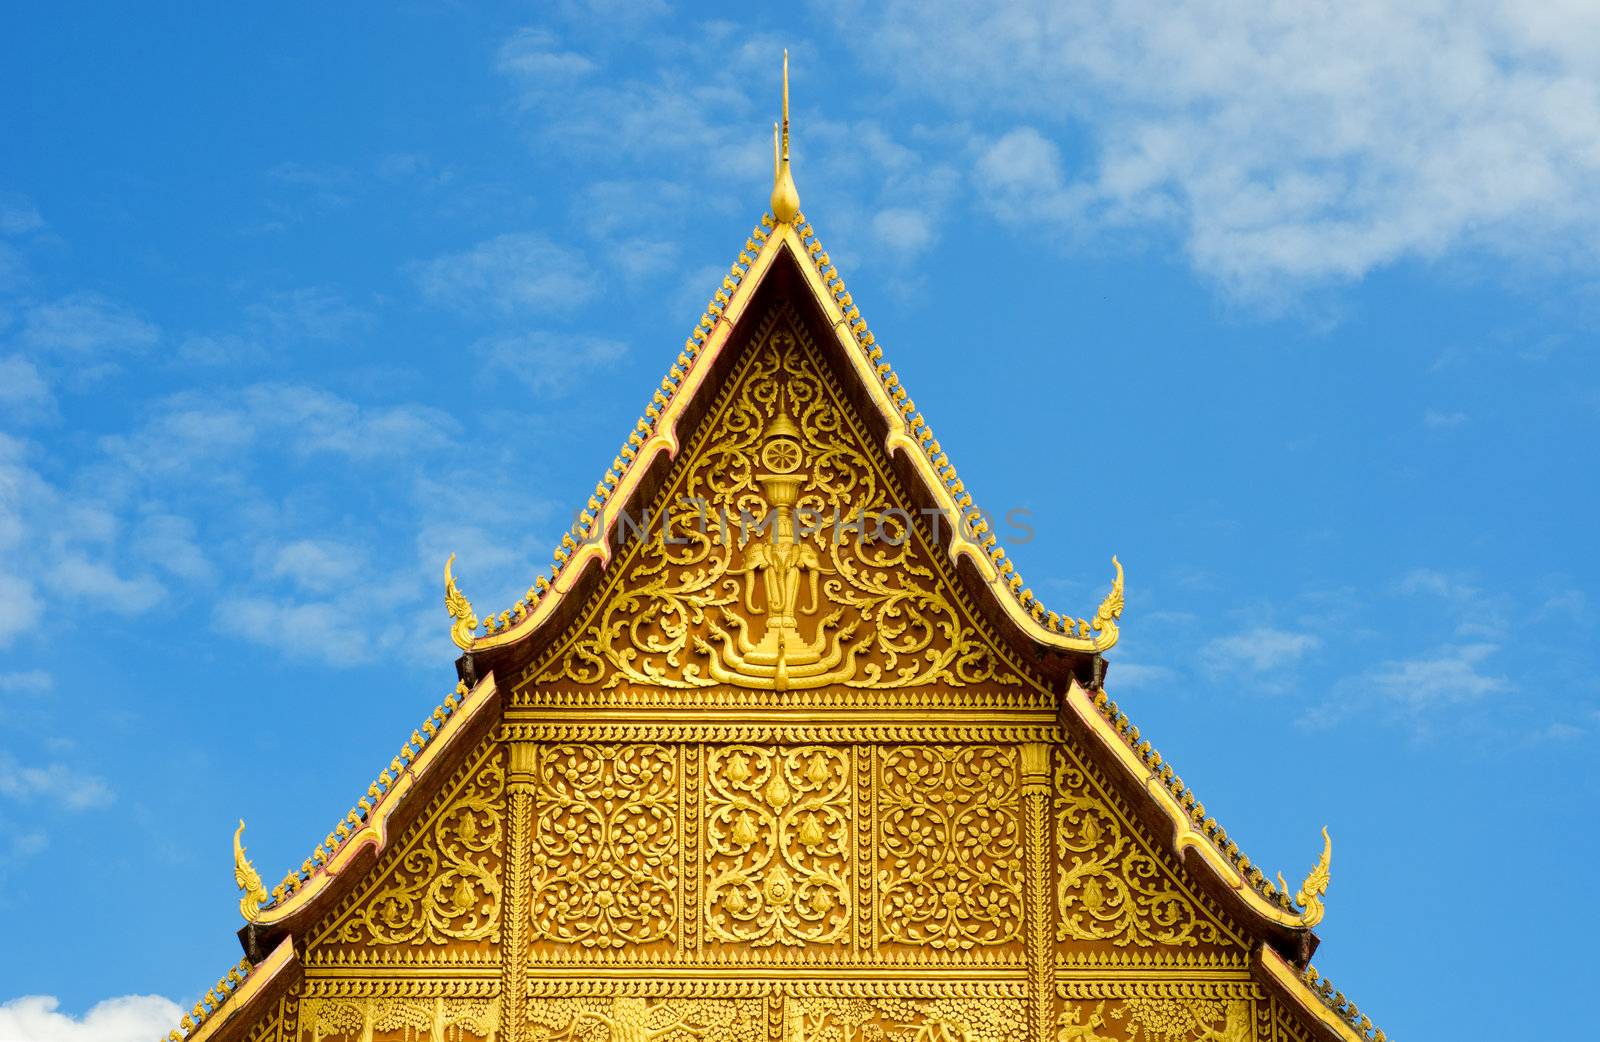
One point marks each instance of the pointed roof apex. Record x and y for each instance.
(785, 199)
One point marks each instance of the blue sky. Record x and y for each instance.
(1294, 312)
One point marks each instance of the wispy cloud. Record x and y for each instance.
(24, 395)
(536, 55)
(26, 682)
(84, 325)
(1449, 675)
(1260, 651)
(55, 783)
(549, 363)
(512, 274)
(18, 215)
(130, 1018)
(1299, 143)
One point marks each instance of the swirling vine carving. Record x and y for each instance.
(950, 847)
(1110, 888)
(605, 850)
(446, 884)
(778, 845)
(781, 558)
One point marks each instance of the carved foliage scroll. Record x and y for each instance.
(605, 845)
(444, 884)
(625, 1018)
(1111, 887)
(780, 557)
(778, 845)
(366, 1019)
(950, 849)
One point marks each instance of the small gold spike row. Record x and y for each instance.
(210, 1002)
(1186, 798)
(362, 812)
(1341, 1006)
(585, 527)
(834, 280)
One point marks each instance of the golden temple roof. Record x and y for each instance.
(469, 712)
(909, 433)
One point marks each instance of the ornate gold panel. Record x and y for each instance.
(604, 851)
(781, 556)
(436, 894)
(1111, 887)
(400, 1019)
(949, 847)
(778, 846)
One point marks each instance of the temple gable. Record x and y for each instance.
(782, 555)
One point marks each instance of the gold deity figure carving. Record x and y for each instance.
(782, 658)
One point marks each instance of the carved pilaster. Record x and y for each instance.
(514, 924)
(1039, 907)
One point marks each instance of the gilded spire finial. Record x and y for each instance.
(785, 199)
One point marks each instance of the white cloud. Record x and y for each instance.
(550, 363)
(1280, 142)
(1261, 650)
(1130, 676)
(321, 629)
(1450, 675)
(309, 313)
(83, 325)
(57, 783)
(170, 543)
(18, 215)
(317, 565)
(26, 682)
(1440, 420)
(535, 54)
(76, 576)
(516, 273)
(19, 607)
(131, 1018)
(24, 395)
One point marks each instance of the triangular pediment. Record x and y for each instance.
(782, 554)
(781, 748)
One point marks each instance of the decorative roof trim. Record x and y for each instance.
(589, 540)
(232, 994)
(1191, 828)
(909, 433)
(367, 825)
(1318, 999)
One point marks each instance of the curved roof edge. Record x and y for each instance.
(909, 435)
(233, 996)
(1192, 829)
(1318, 1000)
(368, 826)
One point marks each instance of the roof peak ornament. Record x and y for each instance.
(785, 199)
(1315, 888)
(247, 879)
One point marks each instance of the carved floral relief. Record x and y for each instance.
(783, 558)
(950, 864)
(778, 845)
(444, 885)
(604, 857)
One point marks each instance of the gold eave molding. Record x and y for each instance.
(261, 980)
(1292, 982)
(664, 438)
(374, 833)
(1185, 836)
